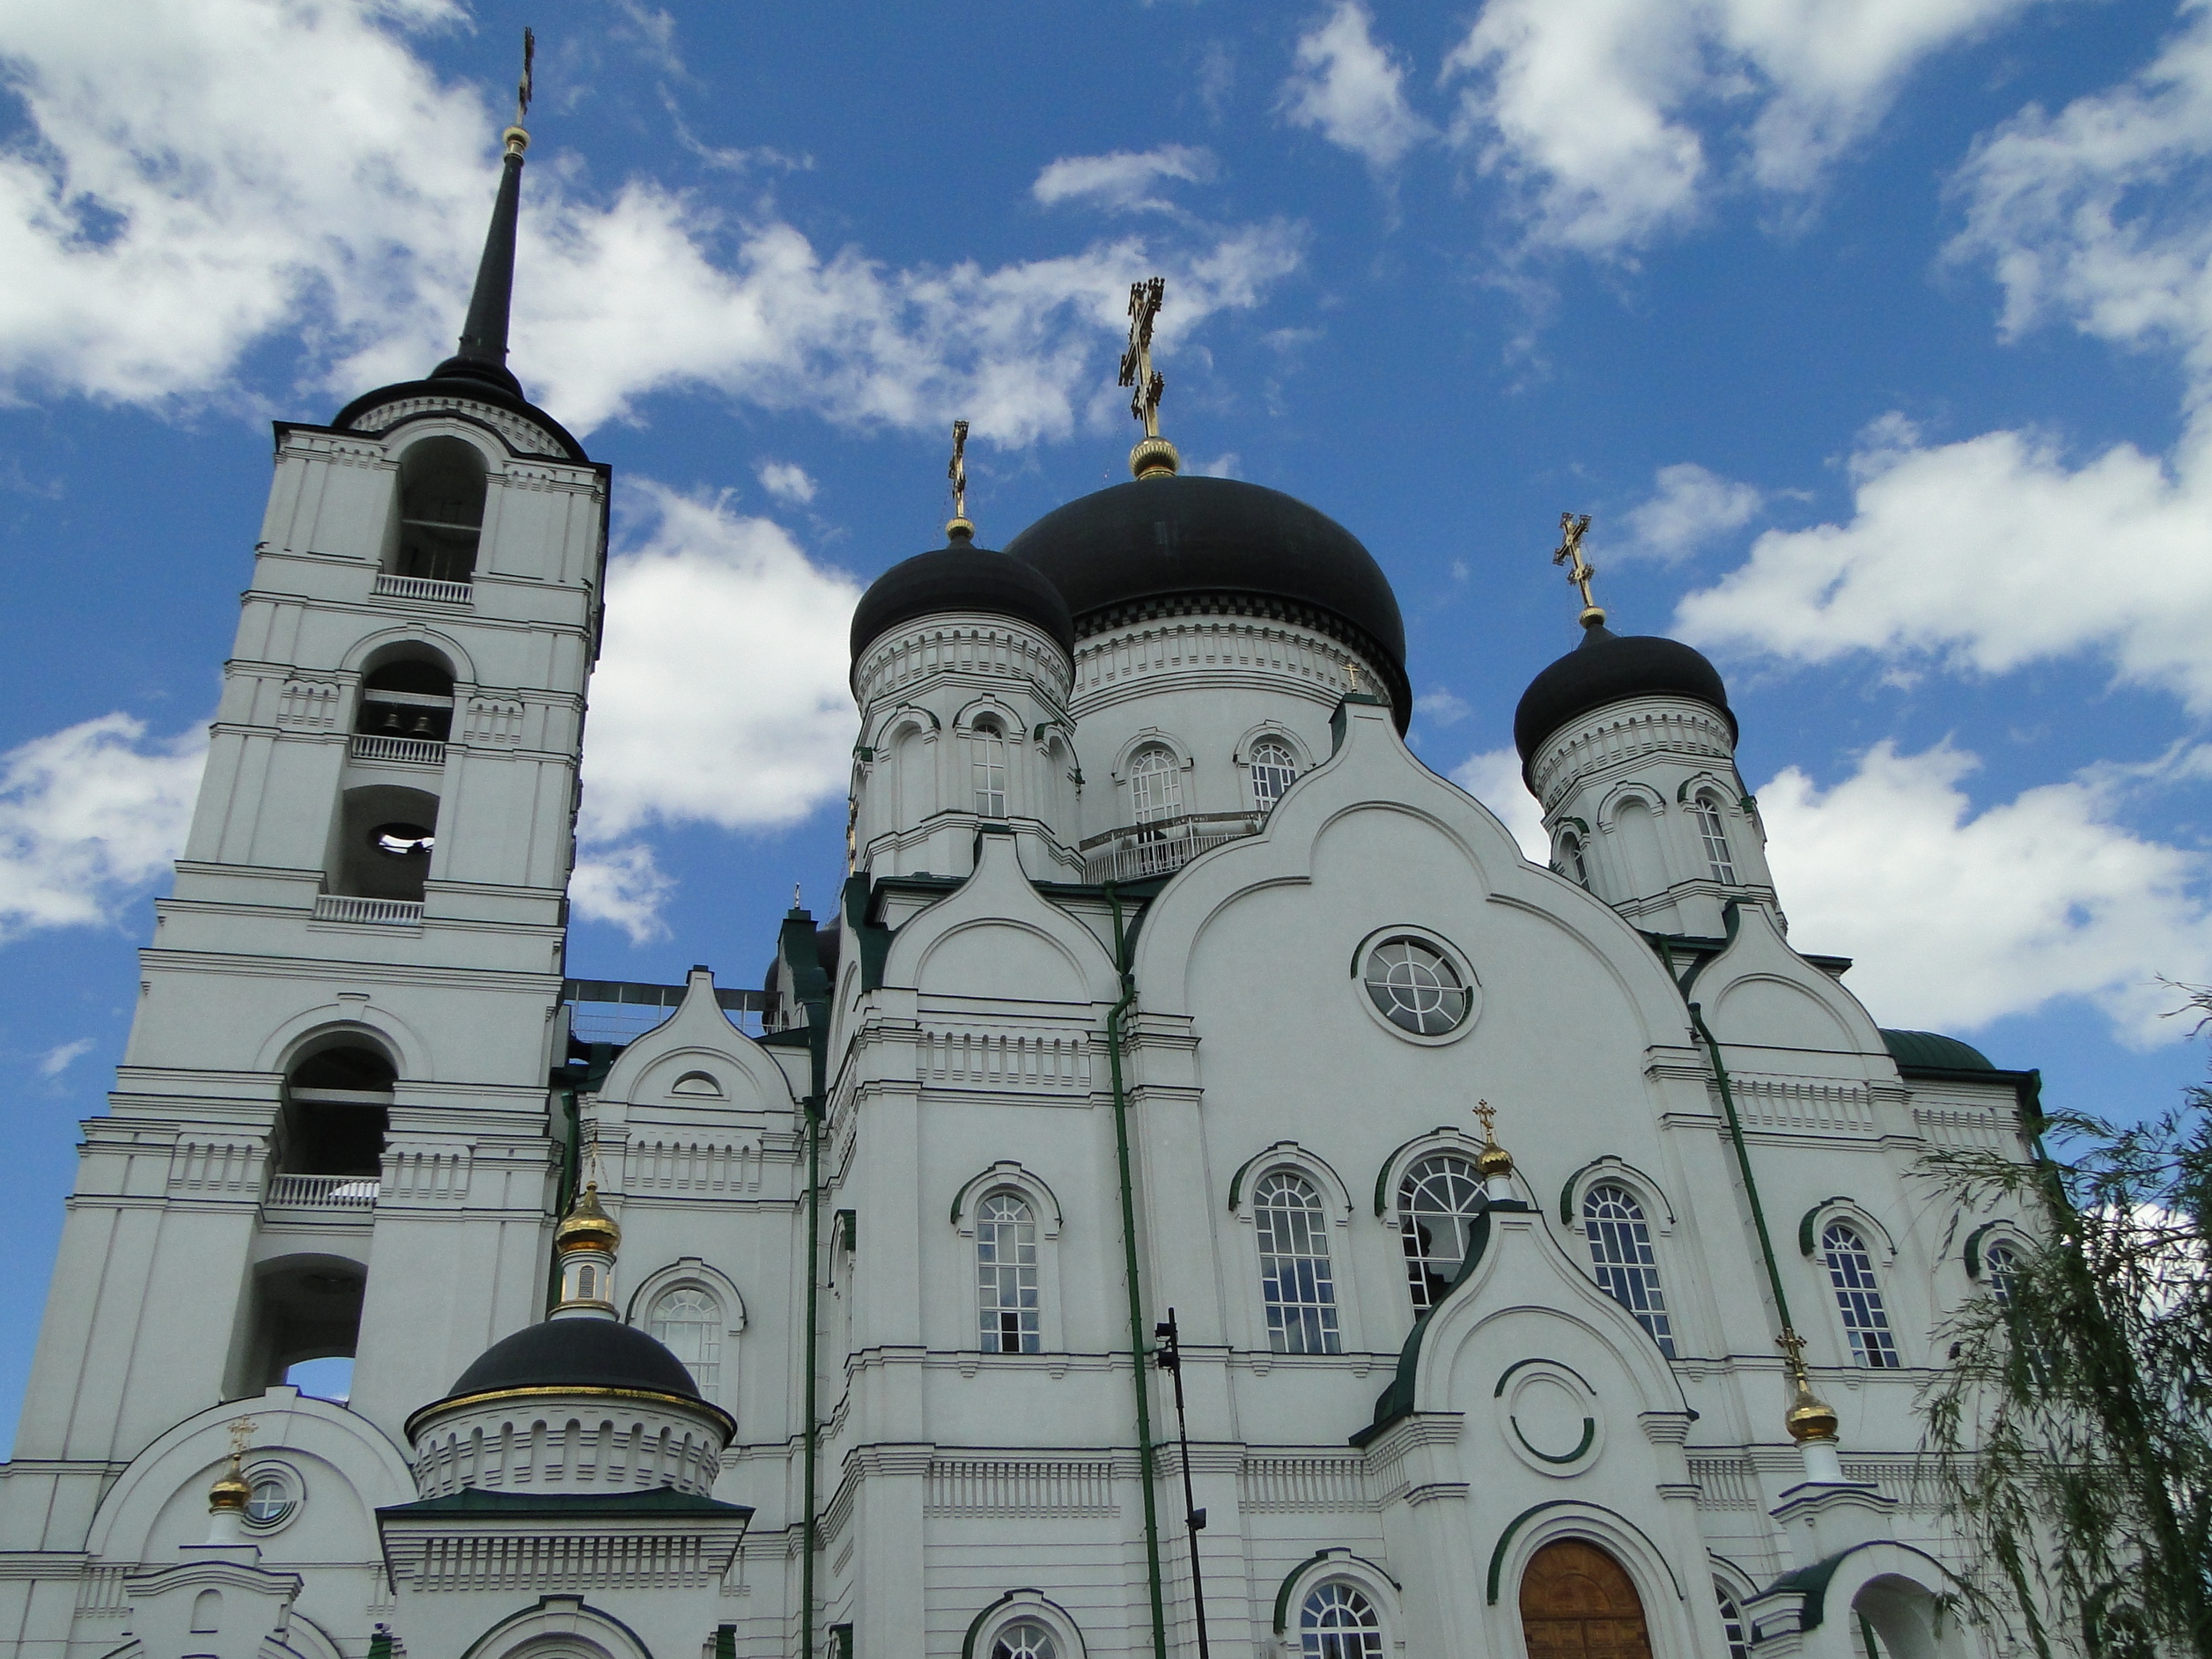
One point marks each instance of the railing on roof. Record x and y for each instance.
(1138, 851)
(620, 1011)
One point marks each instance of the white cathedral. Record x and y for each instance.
(1200, 1190)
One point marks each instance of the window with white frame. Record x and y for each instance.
(1732, 1629)
(2000, 1269)
(1338, 1622)
(1573, 865)
(1437, 1204)
(1858, 1297)
(1274, 769)
(987, 766)
(1007, 1274)
(686, 1321)
(1295, 1277)
(1024, 1639)
(1415, 987)
(1621, 1256)
(1713, 829)
(1156, 783)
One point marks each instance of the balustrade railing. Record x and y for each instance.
(339, 907)
(415, 751)
(323, 1192)
(389, 586)
(1160, 849)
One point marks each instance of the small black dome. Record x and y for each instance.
(1160, 539)
(585, 1354)
(1607, 668)
(959, 576)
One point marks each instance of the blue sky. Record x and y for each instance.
(1876, 337)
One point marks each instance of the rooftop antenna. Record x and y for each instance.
(1154, 457)
(1569, 552)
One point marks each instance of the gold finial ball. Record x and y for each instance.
(1154, 458)
(229, 1493)
(1494, 1159)
(1593, 616)
(516, 140)
(960, 529)
(587, 1226)
(1809, 1417)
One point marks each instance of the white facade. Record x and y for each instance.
(891, 1236)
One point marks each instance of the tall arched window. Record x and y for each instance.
(1713, 829)
(1732, 1629)
(1294, 1280)
(688, 1322)
(1156, 783)
(1025, 1639)
(987, 756)
(1858, 1297)
(1437, 1203)
(1573, 865)
(1274, 769)
(1620, 1253)
(2000, 1267)
(441, 510)
(1338, 1622)
(1007, 1274)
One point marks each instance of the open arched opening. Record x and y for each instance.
(304, 1312)
(331, 1127)
(385, 836)
(441, 510)
(407, 697)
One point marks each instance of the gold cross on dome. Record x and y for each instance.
(1790, 1343)
(958, 471)
(522, 89)
(1145, 299)
(1488, 1113)
(242, 1433)
(1569, 552)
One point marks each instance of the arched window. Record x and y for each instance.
(1025, 1639)
(688, 1322)
(1620, 1253)
(987, 758)
(2000, 1267)
(1732, 1629)
(412, 698)
(1713, 831)
(1007, 1274)
(441, 510)
(1274, 769)
(1337, 1622)
(1572, 863)
(1437, 1203)
(1858, 1298)
(1294, 1280)
(1156, 783)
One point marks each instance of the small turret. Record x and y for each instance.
(584, 1247)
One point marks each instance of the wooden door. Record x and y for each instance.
(1576, 1603)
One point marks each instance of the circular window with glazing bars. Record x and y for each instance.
(1417, 984)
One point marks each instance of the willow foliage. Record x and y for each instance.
(2072, 1432)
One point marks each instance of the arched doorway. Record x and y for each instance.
(1577, 1603)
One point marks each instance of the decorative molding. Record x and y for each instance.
(526, 436)
(1132, 656)
(308, 706)
(492, 722)
(692, 1166)
(1021, 1487)
(1615, 737)
(1797, 1105)
(217, 1166)
(994, 645)
(1309, 1484)
(1030, 1063)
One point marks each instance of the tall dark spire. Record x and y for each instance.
(483, 337)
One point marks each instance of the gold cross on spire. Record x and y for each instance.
(516, 138)
(1152, 454)
(958, 472)
(1569, 552)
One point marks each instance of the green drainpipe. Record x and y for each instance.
(813, 1281)
(1742, 1162)
(1139, 1350)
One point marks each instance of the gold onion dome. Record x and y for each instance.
(1494, 1159)
(230, 1491)
(586, 1226)
(1808, 1416)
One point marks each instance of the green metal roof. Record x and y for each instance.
(1931, 1050)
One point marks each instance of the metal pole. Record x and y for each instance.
(1169, 1358)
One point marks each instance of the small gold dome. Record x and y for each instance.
(1154, 457)
(586, 1226)
(1809, 1416)
(1494, 1159)
(229, 1493)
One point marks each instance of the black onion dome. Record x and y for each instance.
(578, 1353)
(959, 576)
(1606, 668)
(1154, 545)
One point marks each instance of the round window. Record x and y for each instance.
(1416, 987)
(272, 1497)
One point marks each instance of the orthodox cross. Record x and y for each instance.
(242, 1432)
(1136, 362)
(1351, 675)
(958, 471)
(522, 91)
(1794, 1345)
(1488, 1113)
(1569, 552)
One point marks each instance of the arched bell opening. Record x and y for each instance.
(303, 1312)
(408, 695)
(442, 487)
(386, 839)
(332, 1123)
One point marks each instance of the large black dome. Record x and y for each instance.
(583, 1354)
(1158, 544)
(959, 576)
(1606, 668)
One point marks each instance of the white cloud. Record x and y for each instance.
(1493, 777)
(2095, 215)
(90, 817)
(197, 180)
(1956, 917)
(57, 1061)
(1590, 109)
(720, 695)
(1986, 555)
(1688, 507)
(1123, 179)
(1441, 707)
(625, 886)
(786, 481)
(1351, 90)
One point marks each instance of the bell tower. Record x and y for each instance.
(331, 1120)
